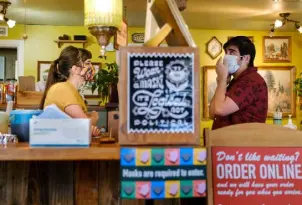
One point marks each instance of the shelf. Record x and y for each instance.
(61, 42)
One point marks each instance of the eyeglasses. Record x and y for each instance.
(87, 63)
(81, 66)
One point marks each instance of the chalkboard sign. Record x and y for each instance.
(161, 95)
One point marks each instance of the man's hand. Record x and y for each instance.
(221, 70)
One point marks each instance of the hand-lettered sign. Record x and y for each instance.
(160, 89)
(257, 176)
(158, 173)
(160, 95)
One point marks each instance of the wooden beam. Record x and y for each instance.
(151, 27)
(159, 37)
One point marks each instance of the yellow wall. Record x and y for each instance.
(202, 36)
(40, 46)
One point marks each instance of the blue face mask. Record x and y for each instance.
(230, 61)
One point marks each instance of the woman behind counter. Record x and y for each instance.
(66, 75)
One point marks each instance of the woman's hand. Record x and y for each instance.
(95, 131)
(94, 116)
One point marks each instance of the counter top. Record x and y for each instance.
(34, 107)
(23, 152)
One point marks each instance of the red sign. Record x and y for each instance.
(257, 176)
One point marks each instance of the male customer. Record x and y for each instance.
(244, 99)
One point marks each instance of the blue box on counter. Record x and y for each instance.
(60, 132)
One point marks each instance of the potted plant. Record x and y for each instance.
(298, 87)
(105, 82)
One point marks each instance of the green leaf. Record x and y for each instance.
(93, 87)
(103, 78)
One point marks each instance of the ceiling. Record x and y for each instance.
(201, 14)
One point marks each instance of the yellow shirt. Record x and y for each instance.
(64, 94)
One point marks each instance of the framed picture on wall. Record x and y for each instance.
(42, 70)
(277, 49)
(3, 30)
(280, 84)
(279, 80)
(250, 37)
(214, 47)
(209, 88)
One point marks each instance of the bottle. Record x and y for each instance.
(14, 87)
(278, 118)
(290, 123)
(11, 91)
(8, 93)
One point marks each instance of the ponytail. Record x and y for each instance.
(60, 69)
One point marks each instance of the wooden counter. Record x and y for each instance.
(64, 176)
(22, 152)
(35, 107)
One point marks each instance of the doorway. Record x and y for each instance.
(19, 46)
(8, 59)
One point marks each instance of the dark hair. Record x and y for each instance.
(85, 54)
(245, 47)
(60, 69)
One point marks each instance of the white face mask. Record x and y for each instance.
(231, 63)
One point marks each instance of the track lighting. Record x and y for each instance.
(299, 28)
(10, 23)
(5, 4)
(271, 32)
(279, 23)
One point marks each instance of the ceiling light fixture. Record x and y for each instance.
(4, 5)
(279, 23)
(271, 32)
(103, 18)
(299, 28)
